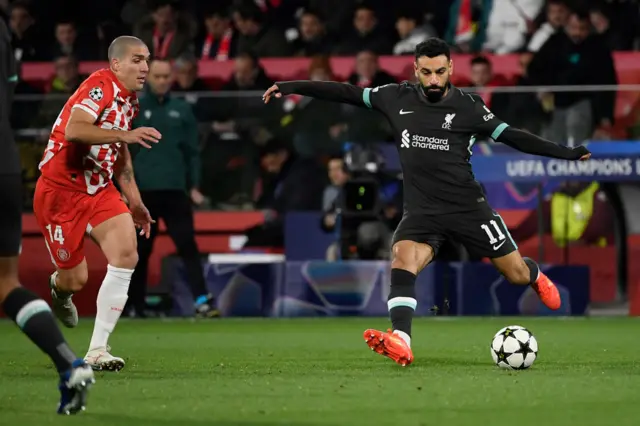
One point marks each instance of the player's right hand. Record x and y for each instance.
(271, 91)
(143, 136)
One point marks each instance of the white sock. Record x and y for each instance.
(404, 336)
(111, 299)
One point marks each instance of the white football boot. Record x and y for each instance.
(101, 360)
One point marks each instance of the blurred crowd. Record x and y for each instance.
(251, 151)
(45, 29)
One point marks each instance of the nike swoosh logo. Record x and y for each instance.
(499, 245)
(402, 112)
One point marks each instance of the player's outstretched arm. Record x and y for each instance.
(81, 128)
(327, 90)
(532, 144)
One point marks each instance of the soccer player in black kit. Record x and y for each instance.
(26, 309)
(435, 126)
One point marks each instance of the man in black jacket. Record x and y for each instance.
(573, 57)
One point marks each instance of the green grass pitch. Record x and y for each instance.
(303, 372)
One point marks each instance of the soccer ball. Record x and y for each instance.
(514, 348)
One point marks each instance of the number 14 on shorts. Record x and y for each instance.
(55, 234)
(492, 239)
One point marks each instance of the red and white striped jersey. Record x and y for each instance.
(81, 167)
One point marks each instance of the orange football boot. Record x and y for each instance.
(547, 291)
(390, 345)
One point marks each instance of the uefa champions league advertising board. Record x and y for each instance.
(361, 288)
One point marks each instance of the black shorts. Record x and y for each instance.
(10, 214)
(482, 232)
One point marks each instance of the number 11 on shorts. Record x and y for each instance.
(55, 234)
(492, 239)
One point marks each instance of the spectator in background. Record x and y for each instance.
(366, 125)
(557, 14)
(365, 35)
(219, 41)
(578, 213)
(247, 74)
(411, 31)
(523, 109)
(66, 80)
(336, 15)
(132, 10)
(167, 33)
(25, 40)
(256, 36)
(510, 23)
(574, 57)
(240, 124)
(289, 184)
(483, 80)
(600, 17)
(367, 72)
(314, 125)
(372, 236)
(338, 176)
(67, 43)
(186, 80)
(312, 36)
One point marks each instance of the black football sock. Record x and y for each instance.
(34, 318)
(402, 300)
(534, 270)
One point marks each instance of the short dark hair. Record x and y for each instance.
(159, 4)
(313, 12)
(249, 54)
(481, 60)
(66, 22)
(433, 47)
(581, 14)
(364, 6)
(410, 14)
(251, 12)
(74, 61)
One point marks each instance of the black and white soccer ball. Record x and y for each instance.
(514, 348)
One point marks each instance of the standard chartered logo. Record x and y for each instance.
(425, 142)
(406, 139)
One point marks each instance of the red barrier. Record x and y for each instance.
(627, 66)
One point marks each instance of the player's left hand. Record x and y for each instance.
(582, 153)
(142, 219)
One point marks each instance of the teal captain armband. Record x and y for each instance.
(366, 97)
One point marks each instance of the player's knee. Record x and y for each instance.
(127, 258)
